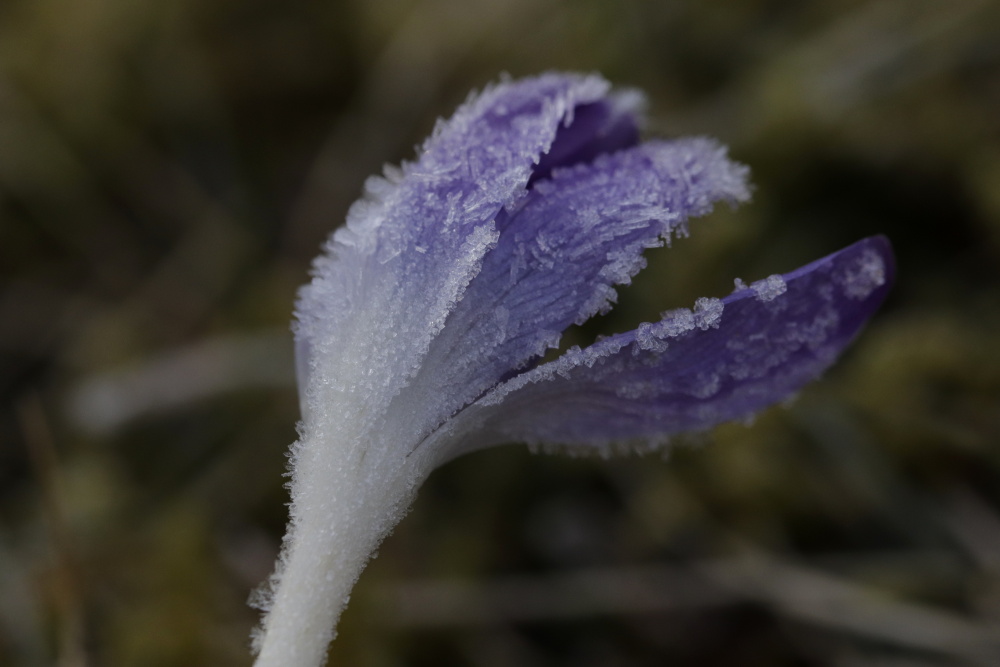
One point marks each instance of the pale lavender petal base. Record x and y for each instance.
(727, 359)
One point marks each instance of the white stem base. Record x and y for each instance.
(343, 504)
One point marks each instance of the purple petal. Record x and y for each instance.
(413, 243)
(725, 360)
(605, 126)
(564, 247)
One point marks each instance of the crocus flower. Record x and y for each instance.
(421, 333)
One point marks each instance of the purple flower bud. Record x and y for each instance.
(420, 335)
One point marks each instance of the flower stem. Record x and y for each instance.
(344, 503)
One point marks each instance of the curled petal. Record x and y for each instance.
(727, 359)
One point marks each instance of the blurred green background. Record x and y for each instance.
(169, 169)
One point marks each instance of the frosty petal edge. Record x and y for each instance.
(725, 360)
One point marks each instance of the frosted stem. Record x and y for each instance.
(307, 604)
(344, 501)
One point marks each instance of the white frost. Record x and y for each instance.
(769, 288)
(865, 276)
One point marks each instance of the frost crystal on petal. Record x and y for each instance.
(866, 275)
(708, 313)
(769, 288)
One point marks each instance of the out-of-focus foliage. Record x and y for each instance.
(167, 172)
